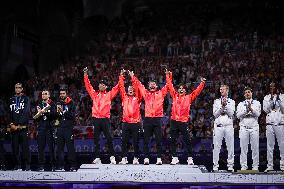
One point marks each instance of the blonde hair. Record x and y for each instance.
(226, 86)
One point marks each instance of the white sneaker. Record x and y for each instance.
(215, 168)
(135, 161)
(59, 170)
(269, 168)
(174, 161)
(146, 161)
(230, 168)
(112, 160)
(97, 161)
(123, 161)
(159, 161)
(190, 161)
(243, 169)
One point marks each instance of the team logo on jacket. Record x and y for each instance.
(16, 108)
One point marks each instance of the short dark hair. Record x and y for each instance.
(103, 81)
(63, 89)
(45, 90)
(247, 88)
(19, 84)
(152, 80)
(184, 85)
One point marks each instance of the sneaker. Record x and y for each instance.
(146, 161)
(97, 161)
(174, 161)
(123, 161)
(17, 168)
(3, 167)
(53, 168)
(40, 168)
(231, 169)
(112, 160)
(59, 169)
(215, 168)
(72, 169)
(243, 169)
(27, 167)
(159, 161)
(269, 168)
(135, 161)
(190, 161)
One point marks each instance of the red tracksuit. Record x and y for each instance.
(130, 104)
(101, 100)
(153, 100)
(181, 103)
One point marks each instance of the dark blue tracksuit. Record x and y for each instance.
(45, 133)
(19, 114)
(64, 133)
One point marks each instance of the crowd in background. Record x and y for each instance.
(229, 54)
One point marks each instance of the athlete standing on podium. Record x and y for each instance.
(273, 105)
(131, 117)
(223, 111)
(101, 114)
(180, 116)
(154, 102)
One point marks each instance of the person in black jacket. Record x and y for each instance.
(46, 111)
(19, 111)
(66, 116)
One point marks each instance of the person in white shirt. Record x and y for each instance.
(273, 105)
(248, 112)
(223, 111)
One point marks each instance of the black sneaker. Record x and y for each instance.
(3, 167)
(73, 169)
(17, 168)
(27, 167)
(41, 168)
(53, 168)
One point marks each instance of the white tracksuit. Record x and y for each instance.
(274, 127)
(223, 128)
(249, 131)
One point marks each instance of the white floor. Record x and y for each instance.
(142, 174)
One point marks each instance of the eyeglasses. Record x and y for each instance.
(44, 93)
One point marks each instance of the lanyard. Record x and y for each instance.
(274, 104)
(18, 101)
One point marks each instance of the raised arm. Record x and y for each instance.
(88, 85)
(170, 85)
(114, 91)
(198, 90)
(121, 86)
(137, 84)
(165, 88)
